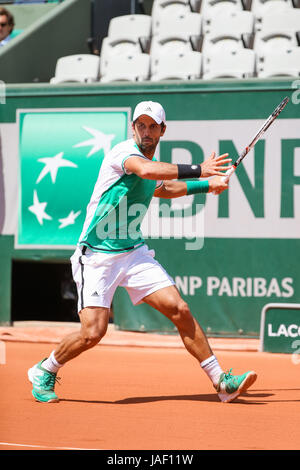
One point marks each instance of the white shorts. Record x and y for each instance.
(97, 275)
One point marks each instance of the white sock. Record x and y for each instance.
(51, 364)
(212, 369)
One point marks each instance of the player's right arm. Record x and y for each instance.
(147, 169)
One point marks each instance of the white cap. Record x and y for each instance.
(152, 109)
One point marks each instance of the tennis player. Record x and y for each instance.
(111, 252)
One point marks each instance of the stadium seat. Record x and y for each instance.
(129, 28)
(274, 22)
(108, 51)
(133, 67)
(161, 8)
(230, 30)
(230, 42)
(127, 35)
(277, 31)
(178, 66)
(84, 68)
(214, 7)
(239, 22)
(265, 42)
(263, 7)
(279, 63)
(229, 64)
(158, 51)
(181, 27)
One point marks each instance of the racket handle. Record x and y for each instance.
(227, 175)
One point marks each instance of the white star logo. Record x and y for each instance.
(98, 142)
(69, 220)
(52, 164)
(38, 209)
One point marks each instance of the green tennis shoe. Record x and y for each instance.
(231, 386)
(43, 383)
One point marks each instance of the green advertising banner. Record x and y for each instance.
(280, 329)
(60, 156)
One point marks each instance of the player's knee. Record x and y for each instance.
(92, 337)
(94, 324)
(184, 310)
(181, 313)
(90, 340)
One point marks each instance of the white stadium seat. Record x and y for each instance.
(215, 7)
(279, 63)
(129, 28)
(135, 67)
(108, 51)
(230, 30)
(180, 24)
(277, 31)
(178, 66)
(265, 42)
(181, 27)
(127, 35)
(237, 22)
(129, 31)
(230, 42)
(286, 20)
(263, 7)
(229, 64)
(161, 8)
(158, 51)
(83, 68)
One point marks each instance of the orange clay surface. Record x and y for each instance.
(126, 396)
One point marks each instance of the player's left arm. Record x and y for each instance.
(172, 189)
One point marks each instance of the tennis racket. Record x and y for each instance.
(257, 136)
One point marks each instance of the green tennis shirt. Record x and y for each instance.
(118, 204)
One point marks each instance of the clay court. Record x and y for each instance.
(142, 391)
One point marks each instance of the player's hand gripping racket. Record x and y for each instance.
(261, 131)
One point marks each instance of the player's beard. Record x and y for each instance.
(147, 145)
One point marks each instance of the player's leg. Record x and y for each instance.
(148, 281)
(96, 283)
(169, 302)
(94, 322)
